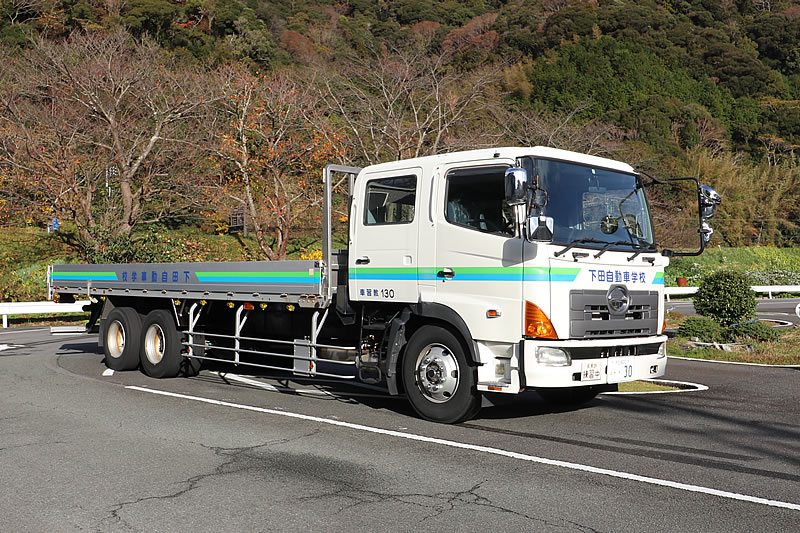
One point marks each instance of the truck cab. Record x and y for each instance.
(499, 308)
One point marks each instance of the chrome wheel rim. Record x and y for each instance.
(154, 344)
(437, 373)
(115, 339)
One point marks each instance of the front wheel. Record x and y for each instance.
(439, 382)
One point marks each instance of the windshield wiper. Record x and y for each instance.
(575, 243)
(610, 244)
(648, 247)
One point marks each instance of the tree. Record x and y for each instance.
(272, 145)
(406, 102)
(100, 130)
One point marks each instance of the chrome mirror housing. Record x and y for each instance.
(709, 200)
(516, 185)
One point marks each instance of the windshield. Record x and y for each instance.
(597, 206)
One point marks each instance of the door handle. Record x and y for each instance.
(446, 273)
(362, 260)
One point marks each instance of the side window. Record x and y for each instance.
(476, 199)
(391, 200)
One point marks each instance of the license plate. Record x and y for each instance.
(620, 369)
(591, 371)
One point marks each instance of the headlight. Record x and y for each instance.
(662, 350)
(552, 356)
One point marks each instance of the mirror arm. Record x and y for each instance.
(654, 179)
(672, 253)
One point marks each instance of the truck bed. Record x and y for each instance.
(297, 282)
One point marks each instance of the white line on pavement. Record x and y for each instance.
(486, 449)
(690, 387)
(312, 392)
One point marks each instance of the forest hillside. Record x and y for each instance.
(117, 115)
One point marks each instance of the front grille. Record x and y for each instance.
(590, 317)
(597, 352)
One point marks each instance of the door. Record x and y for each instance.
(478, 258)
(383, 250)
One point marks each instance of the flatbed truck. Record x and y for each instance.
(467, 276)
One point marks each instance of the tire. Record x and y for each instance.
(440, 384)
(569, 395)
(161, 346)
(122, 333)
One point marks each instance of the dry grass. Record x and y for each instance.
(785, 352)
(643, 386)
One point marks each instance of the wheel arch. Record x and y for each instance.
(408, 322)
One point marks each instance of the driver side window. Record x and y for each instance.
(476, 199)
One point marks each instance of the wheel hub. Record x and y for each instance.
(437, 373)
(154, 344)
(115, 338)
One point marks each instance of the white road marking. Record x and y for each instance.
(486, 449)
(10, 346)
(694, 387)
(312, 392)
(108, 372)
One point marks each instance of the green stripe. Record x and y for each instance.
(201, 275)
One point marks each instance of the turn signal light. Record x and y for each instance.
(537, 324)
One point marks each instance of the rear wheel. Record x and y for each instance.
(122, 332)
(439, 382)
(161, 345)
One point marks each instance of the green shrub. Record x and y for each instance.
(726, 296)
(704, 328)
(754, 330)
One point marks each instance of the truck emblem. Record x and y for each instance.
(618, 299)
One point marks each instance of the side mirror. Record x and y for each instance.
(540, 228)
(516, 186)
(709, 200)
(705, 232)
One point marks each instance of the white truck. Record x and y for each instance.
(467, 276)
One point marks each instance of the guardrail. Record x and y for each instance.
(761, 289)
(31, 308)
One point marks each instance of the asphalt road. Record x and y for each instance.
(80, 450)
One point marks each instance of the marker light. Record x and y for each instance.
(537, 324)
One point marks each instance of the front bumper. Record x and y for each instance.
(596, 362)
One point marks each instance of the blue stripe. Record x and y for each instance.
(562, 277)
(226, 279)
(362, 275)
(658, 281)
(464, 277)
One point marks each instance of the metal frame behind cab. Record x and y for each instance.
(327, 236)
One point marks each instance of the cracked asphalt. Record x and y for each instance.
(81, 452)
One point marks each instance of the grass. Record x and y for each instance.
(644, 386)
(785, 352)
(768, 265)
